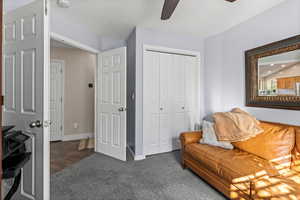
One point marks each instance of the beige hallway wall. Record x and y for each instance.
(80, 69)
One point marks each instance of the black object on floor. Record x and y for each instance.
(14, 157)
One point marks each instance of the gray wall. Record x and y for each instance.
(224, 60)
(107, 43)
(131, 47)
(63, 24)
(170, 40)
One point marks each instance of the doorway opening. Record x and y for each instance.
(72, 107)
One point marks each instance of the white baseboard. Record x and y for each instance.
(139, 157)
(135, 157)
(78, 136)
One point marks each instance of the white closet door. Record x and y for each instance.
(170, 99)
(151, 103)
(165, 125)
(178, 100)
(191, 94)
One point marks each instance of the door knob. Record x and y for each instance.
(161, 108)
(121, 109)
(182, 107)
(36, 124)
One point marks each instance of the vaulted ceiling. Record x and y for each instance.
(117, 18)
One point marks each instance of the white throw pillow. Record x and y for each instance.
(209, 136)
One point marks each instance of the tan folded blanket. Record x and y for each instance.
(236, 125)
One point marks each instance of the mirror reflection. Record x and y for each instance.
(279, 75)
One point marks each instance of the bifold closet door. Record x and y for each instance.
(151, 107)
(157, 106)
(178, 116)
(192, 110)
(165, 99)
(169, 88)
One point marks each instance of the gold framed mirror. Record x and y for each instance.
(273, 75)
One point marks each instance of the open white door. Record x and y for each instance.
(26, 90)
(111, 103)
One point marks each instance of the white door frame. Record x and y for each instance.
(74, 43)
(62, 62)
(162, 49)
(69, 41)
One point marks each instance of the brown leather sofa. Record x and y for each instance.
(264, 167)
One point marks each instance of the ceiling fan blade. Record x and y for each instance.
(230, 0)
(168, 9)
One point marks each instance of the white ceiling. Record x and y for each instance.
(117, 18)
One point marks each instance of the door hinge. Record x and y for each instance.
(61, 128)
(2, 100)
(61, 99)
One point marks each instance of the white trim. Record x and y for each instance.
(46, 113)
(139, 157)
(135, 157)
(78, 136)
(63, 95)
(172, 51)
(98, 63)
(73, 43)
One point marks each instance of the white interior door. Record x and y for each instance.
(26, 91)
(56, 99)
(111, 103)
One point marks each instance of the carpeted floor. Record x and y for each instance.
(159, 177)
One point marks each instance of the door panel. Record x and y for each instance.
(178, 83)
(28, 90)
(111, 104)
(10, 92)
(191, 94)
(116, 132)
(26, 77)
(165, 99)
(151, 103)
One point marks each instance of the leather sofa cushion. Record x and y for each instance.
(285, 186)
(297, 131)
(235, 166)
(274, 144)
(296, 151)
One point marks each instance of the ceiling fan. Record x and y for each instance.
(169, 7)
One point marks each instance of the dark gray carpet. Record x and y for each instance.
(159, 177)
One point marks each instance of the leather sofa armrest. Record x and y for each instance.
(190, 137)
